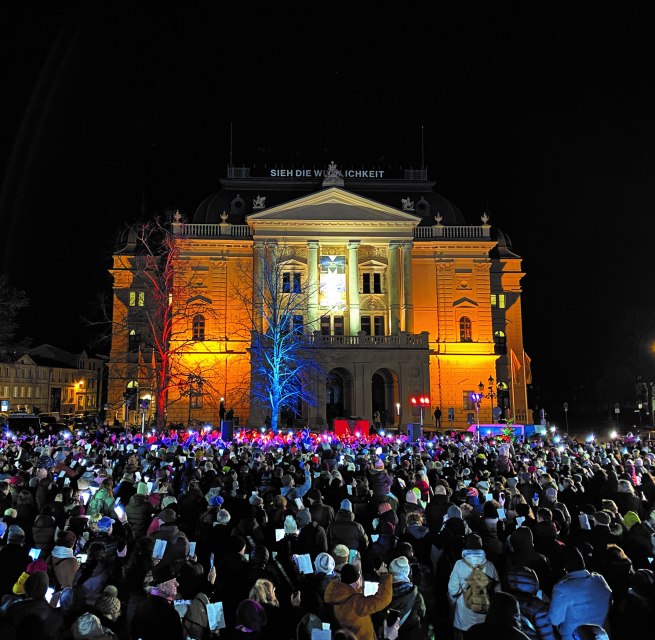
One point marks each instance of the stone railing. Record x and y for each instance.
(222, 230)
(400, 340)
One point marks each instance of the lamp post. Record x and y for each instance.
(476, 398)
(422, 401)
(566, 416)
(398, 413)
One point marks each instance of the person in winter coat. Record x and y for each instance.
(190, 506)
(62, 563)
(139, 511)
(522, 554)
(437, 509)
(523, 584)
(352, 609)
(578, 598)
(407, 599)
(322, 514)
(43, 533)
(313, 587)
(14, 558)
(472, 555)
(502, 621)
(102, 501)
(379, 480)
(344, 530)
(312, 538)
(177, 543)
(638, 605)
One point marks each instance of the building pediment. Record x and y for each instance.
(334, 206)
(465, 302)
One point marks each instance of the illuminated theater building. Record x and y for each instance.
(412, 299)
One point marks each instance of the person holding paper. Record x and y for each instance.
(352, 609)
(407, 599)
(156, 618)
(140, 511)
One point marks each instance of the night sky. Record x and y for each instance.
(544, 121)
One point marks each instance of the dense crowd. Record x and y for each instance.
(306, 536)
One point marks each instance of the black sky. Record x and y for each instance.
(544, 120)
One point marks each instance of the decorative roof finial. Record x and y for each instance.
(484, 218)
(223, 217)
(438, 217)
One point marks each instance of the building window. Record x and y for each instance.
(298, 324)
(133, 342)
(29, 392)
(132, 298)
(325, 326)
(198, 327)
(291, 282)
(500, 342)
(498, 300)
(365, 324)
(467, 403)
(338, 326)
(465, 334)
(378, 325)
(142, 298)
(332, 326)
(137, 298)
(371, 283)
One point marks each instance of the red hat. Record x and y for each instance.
(383, 507)
(472, 492)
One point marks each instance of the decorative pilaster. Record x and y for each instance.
(394, 287)
(312, 274)
(408, 297)
(258, 285)
(353, 287)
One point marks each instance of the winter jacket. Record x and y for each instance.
(177, 544)
(579, 598)
(435, 511)
(322, 513)
(344, 530)
(523, 554)
(139, 512)
(464, 617)
(380, 483)
(50, 620)
(523, 583)
(502, 621)
(101, 502)
(43, 533)
(352, 609)
(407, 598)
(312, 539)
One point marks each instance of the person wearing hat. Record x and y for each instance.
(580, 597)
(407, 599)
(89, 627)
(352, 609)
(313, 587)
(108, 609)
(312, 537)
(14, 558)
(139, 511)
(473, 555)
(638, 542)
(177, 542)
(521, 553)
(322, 513)
(380, 481)
(437, 508)
(502, 621)
(62, 563)
(340, 553)
(102, 501)
(345, 530)
(156, 617)
(523, 584)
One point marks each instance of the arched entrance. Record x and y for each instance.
(338, 395)
(384, 396)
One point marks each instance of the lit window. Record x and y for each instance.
(500, 339)
(338, 325)
(142, 298)
(134, 341)
(465, 332)
(198, 328)
(467, 403)
(132, 298)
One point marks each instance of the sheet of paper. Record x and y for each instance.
(375, 536)
(349, 489)
(321, 634)
(299, 503)
(215, 616)
(192, 548)
(501, 513)
(305, 564)
(160, 548)
(371, 588)
(519, 520)
(279, 534)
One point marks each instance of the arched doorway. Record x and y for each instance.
(338, 395)
(385, 395)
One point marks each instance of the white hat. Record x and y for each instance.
(399, 569)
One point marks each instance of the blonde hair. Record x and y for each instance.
(263, 591)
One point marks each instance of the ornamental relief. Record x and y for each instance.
(445, 266)
(372, 304)
(289, 252)
(482, 266)
(369, 251)
(333, 251)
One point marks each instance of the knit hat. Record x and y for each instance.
(324, 563)
(66, 539)
(440, 490)
(512, 482)
(410, 497)
(256, 501)
(11, 513)
(105, 523)
(399, 568)
(303, 517)
(15, 535)
(314, 494)
(473, 541)
(87, 627)
(251, 615)
(290, 526)
(551, 493)
(472, 492)
(216, 501)
(483, 484)
(259, 555)
(349, 573)
(36, 585)
(341, 553)
(142, 489)
(602, 518)
(108, 603)
(82, 484)
(346, 505)
(167, 501)
(167, 516)
(383, 507)
(286, 480)
(379, 464)
(223, 516)
(454, 511)
(630, 519)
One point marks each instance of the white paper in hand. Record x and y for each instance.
(160, 548)
(349, 489)
(299, 503)
(321, 634)
(371, 588)
(215, 616)
(305, 564)
(192, 548)
(279, 534)
(501, 513)
(519, 520)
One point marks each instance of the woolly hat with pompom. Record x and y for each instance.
(399, 568)
(324, 563)
(108, 603)
(630, 519)
(223, 516)
(87, 627)
(290, 525)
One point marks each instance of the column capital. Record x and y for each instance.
(395, 244)
(354, 244)
(313, 244)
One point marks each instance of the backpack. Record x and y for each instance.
(476, 591)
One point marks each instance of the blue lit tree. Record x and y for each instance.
(284, 362)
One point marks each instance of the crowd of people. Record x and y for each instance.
(306, 536)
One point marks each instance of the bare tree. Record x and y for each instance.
(284, 366)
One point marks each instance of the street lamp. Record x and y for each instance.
(476, 399)
(422, 401)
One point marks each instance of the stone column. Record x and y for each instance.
(394, 288)
(258, 285)
(408, 296)
(312, 273)
(353, 287)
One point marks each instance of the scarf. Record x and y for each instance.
(62, 552)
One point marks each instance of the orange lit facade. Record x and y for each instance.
(411, 300)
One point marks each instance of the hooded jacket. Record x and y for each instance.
(523, 583)
(344, 530)
(352, 609)
(503, 621)
(139, 513)
(407, 598)
(464, 618)
(523, 554)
